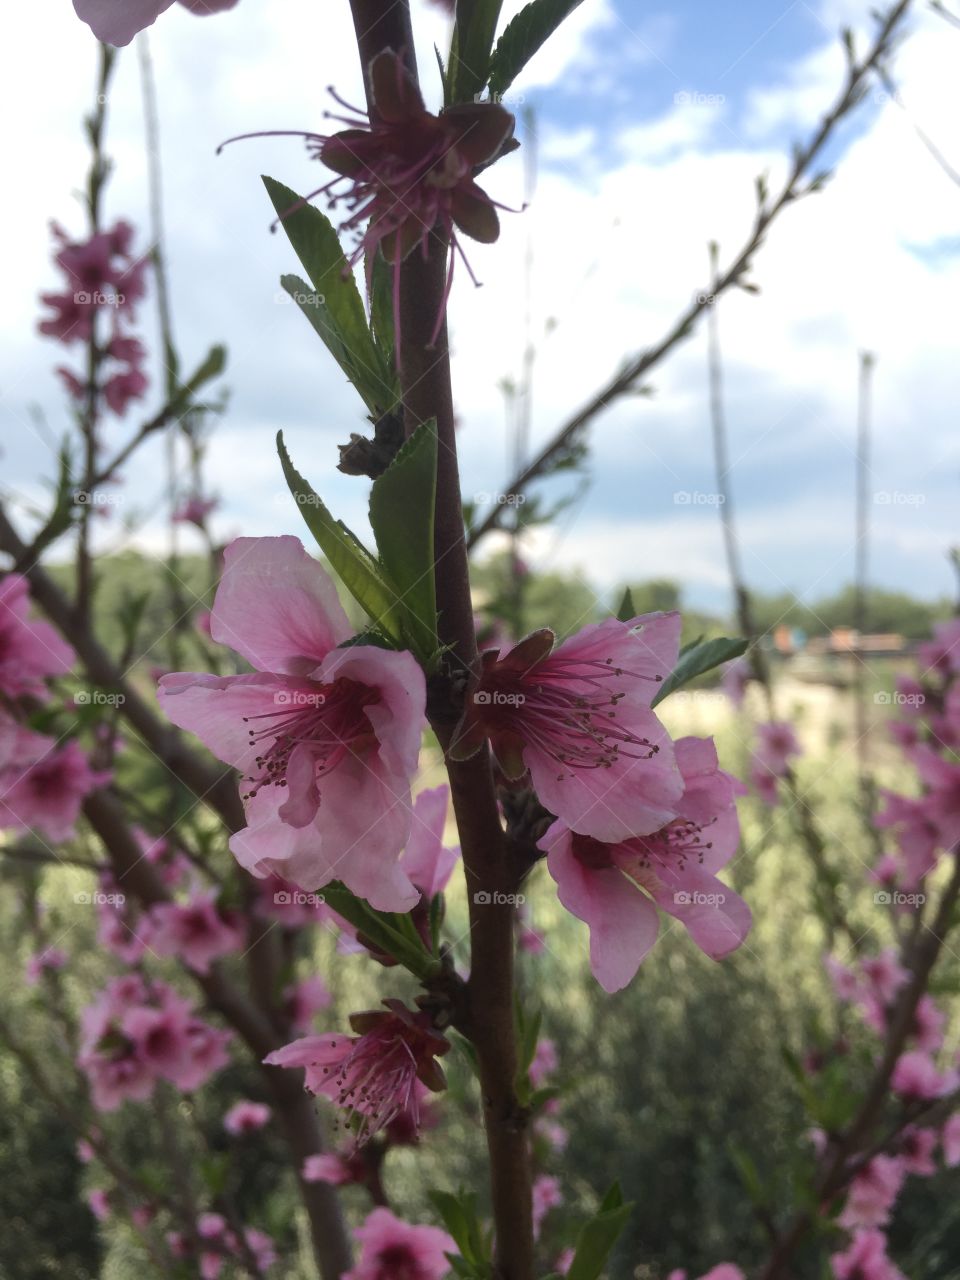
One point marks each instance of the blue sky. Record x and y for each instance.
(652, 125)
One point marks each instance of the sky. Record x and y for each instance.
(651, 125)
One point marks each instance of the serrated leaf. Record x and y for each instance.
(402, 503)
(470, 60)
(335, 306)
(522, 37)
(698, 660)
(356, 568)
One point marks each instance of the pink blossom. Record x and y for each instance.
(260, 1244)
(916, 1150)
(950, 1138)
(885, 974)
(116, 22)
(45, 790)
(846, 984)
(328, 765)
(394, 1250)
(928, 1024)
(407, 172)
(776, 746)
(209, 1053)
(246, 1117)
(942, 653)
(30, 650)
(159, 1036)
(578, 718)
(764, 782)
(337, 1170)
(99, 1202)
(873, 1191)
(121, 389)
(917, 836)
(195, 509)
(564, 1261)
(865, 1258)
(941, 803)
(302, 1001)
(546, 1196)
(198, 932)
(544, 1062)
(44, 961)
(371, 1076)
(915, 1076)
(617, 888)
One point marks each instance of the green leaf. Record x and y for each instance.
(212, 367)
(626, 612)
(462, 1219)
(402, 503)
(333, 306)
(598, 1236)
(387, 930)
(354, 565)
(694, 662)
(748, 1172)
(381, 308)
(522, 37)
(469, 61)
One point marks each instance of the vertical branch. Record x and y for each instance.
(523, 400)
(721, 462)
(489, 1019)
(89, 417)
(861, 552)
(170, 358)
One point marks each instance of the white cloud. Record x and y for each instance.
(618, 253)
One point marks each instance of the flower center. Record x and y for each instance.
(327, 720)
(568, 708)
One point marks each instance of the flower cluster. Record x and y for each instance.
(43, 780)
(642, 822)
(136, 1033)
(215, 1244)
(103, 278)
